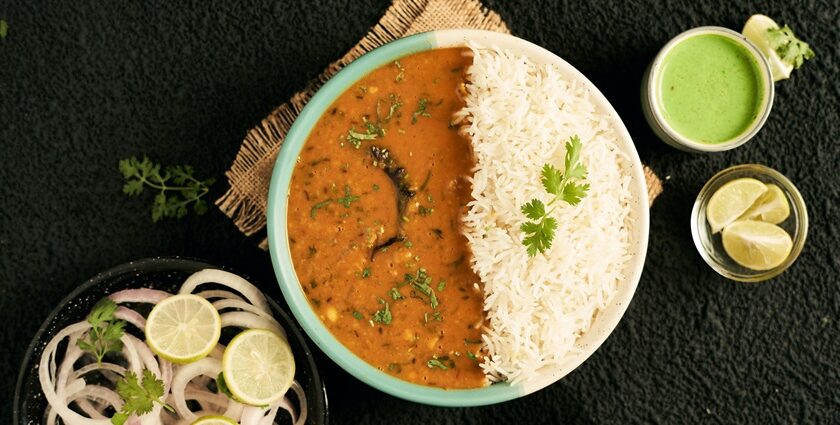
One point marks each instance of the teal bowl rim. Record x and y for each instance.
(281, 255)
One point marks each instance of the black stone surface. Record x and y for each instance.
(84, 84)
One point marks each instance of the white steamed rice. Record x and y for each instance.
(519, 116)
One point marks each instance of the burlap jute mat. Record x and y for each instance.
(246, 200)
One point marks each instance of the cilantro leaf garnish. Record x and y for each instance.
(421, 111)
(139, 396)
(539, 230)
(383, 315)
(105, 333)
(177, 186)
(790, 49)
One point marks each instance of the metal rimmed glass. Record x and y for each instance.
(651, 95)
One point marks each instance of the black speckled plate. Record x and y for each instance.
(159, 273)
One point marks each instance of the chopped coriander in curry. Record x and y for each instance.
(376, 202)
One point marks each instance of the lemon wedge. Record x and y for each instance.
(258, 367)
(183, 328)
(772, 207)
(732, 200)
(756, 245)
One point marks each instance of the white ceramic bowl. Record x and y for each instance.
(601, 327)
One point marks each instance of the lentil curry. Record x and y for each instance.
(374, 223)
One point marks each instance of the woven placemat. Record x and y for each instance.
(245, 202)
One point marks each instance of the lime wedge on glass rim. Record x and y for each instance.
(258, 367)
(756, 245)
(772, 207)
(183, 328)
(732, 200)
(214, 420)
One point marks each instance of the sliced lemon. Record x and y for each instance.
(732, 200)
(258, 367)
(755, 29)
(183, 328)
(756, 245)
(214, 420)
(772, 207)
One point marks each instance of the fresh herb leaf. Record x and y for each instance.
(365, 272)
(421, 282)
(432, 363)
(534, 210)
(177, 187)
(139, 396)
(394, 367)
(791, 49)
(472, 356)
(355, 138)
(318, 206)
(395, 105)
(348, 198)
(441, 285)
(383, 315)
(395, 294)
(539, 230)
(472, 341)
(401, 75)
(105, 334)
(421, 111)
(375, 187)
(358, 315)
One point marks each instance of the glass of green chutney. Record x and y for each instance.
(708, 90)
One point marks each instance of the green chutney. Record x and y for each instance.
(711, 88)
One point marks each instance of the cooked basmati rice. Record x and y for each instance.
(519, 115)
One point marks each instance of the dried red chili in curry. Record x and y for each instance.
(374, 223)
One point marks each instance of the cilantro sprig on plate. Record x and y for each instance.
(106, 332)
(140, 395)
(539, 230)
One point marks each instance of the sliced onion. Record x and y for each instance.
(141, 295)
(237, 283)
(246, 320)
(207, 366)
(48, 386)
(131, 316)
(212, 294)
(242, 305)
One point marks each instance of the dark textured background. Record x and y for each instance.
(85, 83)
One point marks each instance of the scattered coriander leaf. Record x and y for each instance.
(318, 206)
(348, 198)
(432, 363)
(177, 187)
(395, 294)
(383, 315)
(472, 356)
(358, 315)
(401, 75)
(441, 285)
(421, 111)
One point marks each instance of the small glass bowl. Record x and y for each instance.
(710, 245)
